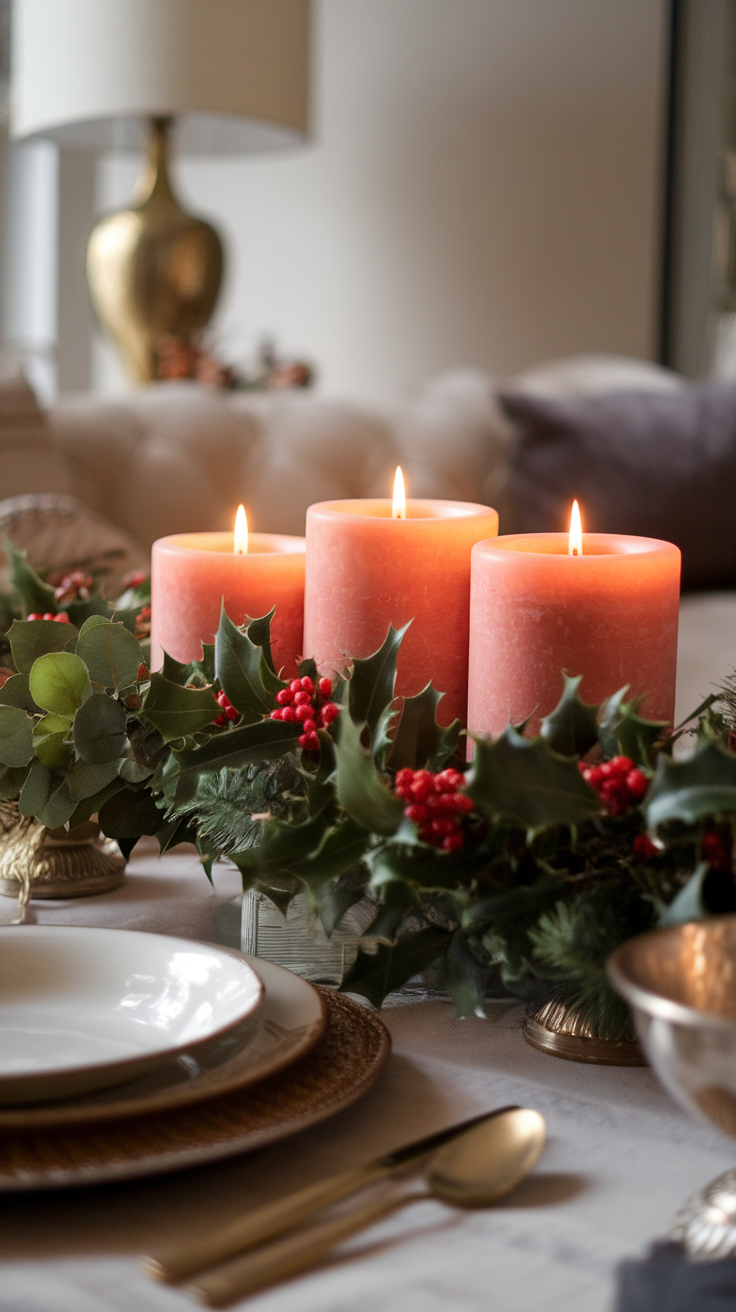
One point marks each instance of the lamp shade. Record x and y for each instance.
(89, 73)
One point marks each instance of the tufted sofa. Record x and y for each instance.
(180, 456)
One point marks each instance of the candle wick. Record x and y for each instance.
(575, 551)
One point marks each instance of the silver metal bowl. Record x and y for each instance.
(681, 986)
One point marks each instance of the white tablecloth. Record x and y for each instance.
(620, 1159)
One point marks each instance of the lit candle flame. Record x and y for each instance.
(398, 507)
(240, 536)
(575, 542)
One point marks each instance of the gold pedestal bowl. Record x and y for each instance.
(681, 986)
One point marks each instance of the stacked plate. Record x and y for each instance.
(123, 1054)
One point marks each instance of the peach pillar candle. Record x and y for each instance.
(609, 614)
(366, 570)
(191, 574)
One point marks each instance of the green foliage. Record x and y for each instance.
(692, 789)
(35, 596)
(60, 682)
(420, 742)
(175, 711)
(30, 639)
(376, 974)
(16, 736)
(572, 727)
(371, 685)
(111, 653)
(243, 669)
(99, 729)
(524, 781)
(360, 789)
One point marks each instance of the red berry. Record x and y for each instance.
(34, 616)
(142, 674)
(221, 719)
(277, 715)
(622, 764)
(325, 687)
(302, 698)
(453, 842)
(295, 685)
(417, 813)
(716, 849)
(307, 684)
(637, 784)
(643, 847)
(309, 726)
(284, 697)
(330, 712)
(310, 742)
(232, 714)
(303, 712)
(404, 776)
(288, 714)
(62, 618)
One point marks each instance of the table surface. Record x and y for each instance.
(620, 1159)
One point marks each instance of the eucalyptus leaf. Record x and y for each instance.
(86, 780)
(132, 771)
(30, 639)
(15, 692)
(111, 653)
(523, 780)
(572, 727)
(360, 789)
(371, 686)
(59, 808)
(374, 975)
(177, 712)
(16, 736)
(36, 789)
(89, 806)
(99, 730)
(49, 742)
(702, 785)
(240, 666)
(59, 682)
(130, 813)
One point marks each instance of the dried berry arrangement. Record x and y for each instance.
(530, 864)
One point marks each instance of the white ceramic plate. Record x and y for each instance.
(285, 1028)
(83, 1009)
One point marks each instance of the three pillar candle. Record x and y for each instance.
(494, 621)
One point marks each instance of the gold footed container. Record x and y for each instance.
(55, 863)
(559, 1030)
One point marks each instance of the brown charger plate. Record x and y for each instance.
(340, 1068)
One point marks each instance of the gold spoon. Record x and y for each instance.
(474, 1170)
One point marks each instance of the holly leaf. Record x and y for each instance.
(689, 904)
(243, 671)
(15, 692)
(420, 742)
(623, 732)
(34, 594)
(59, 682)
(175, 671)
(16, 736)
(281, 845)
(30, 639)
(397, 901)
(360, 789)
(523, 780)
(572, 727)
(99, 730)
(372, 683)
(259, 632)
(263, 741)
(702, 785)
(177, 712)
(36, 789)
(110, 652)
(374, 975)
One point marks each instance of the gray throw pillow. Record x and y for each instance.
(650, 464)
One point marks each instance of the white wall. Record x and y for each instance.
(483, 188)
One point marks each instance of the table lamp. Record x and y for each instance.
(223, 76)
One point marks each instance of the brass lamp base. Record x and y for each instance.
(154, 271)
(559, 1031)
(54, 863)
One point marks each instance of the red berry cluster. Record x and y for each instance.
(619, 783)
(311, 707)
(76, 585)
(228, 710)
(435, 805)
(143, 622)
(61, 618)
